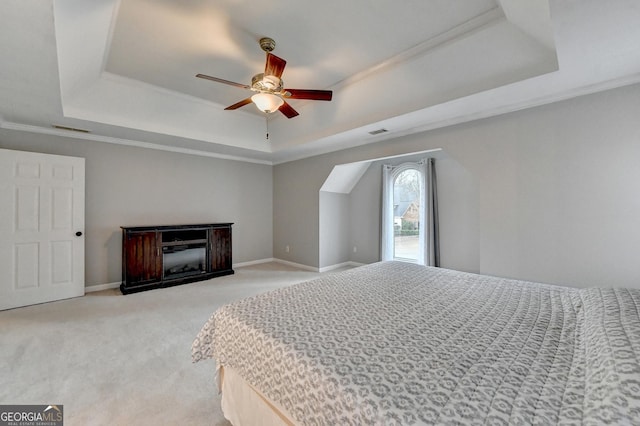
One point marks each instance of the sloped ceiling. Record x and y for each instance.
(125, 70)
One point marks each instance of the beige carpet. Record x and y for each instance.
(125, 360)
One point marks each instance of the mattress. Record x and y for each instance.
(399, 343)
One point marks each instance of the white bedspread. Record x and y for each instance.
(397, 343)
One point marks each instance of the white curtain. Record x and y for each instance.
(386, 235)
(429, 247)
(423, 236)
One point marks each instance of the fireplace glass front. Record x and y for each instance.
(184, 260)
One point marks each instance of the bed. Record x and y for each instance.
(395, 343)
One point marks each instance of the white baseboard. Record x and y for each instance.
(253, 262)
(109, 286)
(340, 265)
(100, 287)
(297, 265)
(315, 269)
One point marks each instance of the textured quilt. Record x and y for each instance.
(397, 344)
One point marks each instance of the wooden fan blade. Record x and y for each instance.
(239, 104)
(315, 95)
(275, 66)
(287, 110)
(220, 80)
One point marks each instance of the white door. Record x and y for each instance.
(41, 228)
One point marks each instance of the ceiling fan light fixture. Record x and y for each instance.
(269, 87)
(267, 102)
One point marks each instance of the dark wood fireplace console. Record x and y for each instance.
(164, 256)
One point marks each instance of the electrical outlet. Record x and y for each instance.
(286, 249)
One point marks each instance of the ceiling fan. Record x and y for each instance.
(270, 95)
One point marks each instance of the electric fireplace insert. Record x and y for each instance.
(162, 256)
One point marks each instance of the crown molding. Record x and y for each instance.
(127, 142)
(466, 29)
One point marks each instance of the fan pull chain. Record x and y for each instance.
(266, 122)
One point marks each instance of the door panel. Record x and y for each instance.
(62, 205)
(27, 265)
(41, 209)
(27, 217)
(143, 258)
(61, 262)
(220, 241)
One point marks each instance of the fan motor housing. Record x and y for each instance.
(268, 83)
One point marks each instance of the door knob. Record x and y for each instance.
(78, 234)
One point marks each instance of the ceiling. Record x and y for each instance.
(124, 70)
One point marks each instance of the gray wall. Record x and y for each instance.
(297, 221)
(128, 186)
(551, 193)
(334, 229)
(457, 195)
(365, 209)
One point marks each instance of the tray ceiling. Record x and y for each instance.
(125, 70)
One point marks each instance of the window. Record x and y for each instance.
(410, 213)
(406, 214)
